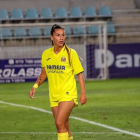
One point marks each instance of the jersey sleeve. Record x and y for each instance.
(42, 61)
(76, 64)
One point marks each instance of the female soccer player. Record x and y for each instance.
(60, 64)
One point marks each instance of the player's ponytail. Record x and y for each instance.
(67, 49)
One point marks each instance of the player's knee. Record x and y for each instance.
(59, 124)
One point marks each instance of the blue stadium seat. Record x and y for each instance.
(47, 31)
(46, 13)
(110, 28)
(5, 32)
(75, 12)
(31, 13)
(35, 31)
(105, 11)
(3, 14)
(93, 29)
(68, 30)
(78, 30)
(16, 14)
(61, 13)
(90, 12)
(20, 32)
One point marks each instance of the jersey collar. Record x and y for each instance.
(63, 49)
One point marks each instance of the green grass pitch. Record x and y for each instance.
(113, 103)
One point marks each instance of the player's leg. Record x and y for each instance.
(63, 112)
(68, 128)
(54, 110)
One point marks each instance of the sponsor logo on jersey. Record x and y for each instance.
(63, 59)
(55, 67)
(48, 59)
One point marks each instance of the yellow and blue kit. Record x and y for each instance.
(62, 84)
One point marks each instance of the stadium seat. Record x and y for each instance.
(47, 31)
(93, 29)
(61, 13)
(90, 12)
(31, 13)
(16, 14)
(68, 30)
(20, 32)
(46, 13)
(105, 11)
(3, 14)
(75, 12)
(110, 28)
(78, 30)
(5, 32)
(35, 31)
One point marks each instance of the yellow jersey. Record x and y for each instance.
(60, 73)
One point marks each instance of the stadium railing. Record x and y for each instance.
(8, 32)
(44, 32)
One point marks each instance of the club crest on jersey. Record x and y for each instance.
(63, 59)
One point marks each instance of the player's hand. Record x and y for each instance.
(83, 98)
(32, 93)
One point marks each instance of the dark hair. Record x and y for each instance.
(56, 26)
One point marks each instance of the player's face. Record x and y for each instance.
(58, 37)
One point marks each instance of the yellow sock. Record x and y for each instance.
(70, 138)
(63, 136)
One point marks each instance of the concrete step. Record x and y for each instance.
(119, 4)
(126, 20)
(127, 28)
(127, 39)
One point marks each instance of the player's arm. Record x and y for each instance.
(39, 81)
(83, 97)
(42, 77)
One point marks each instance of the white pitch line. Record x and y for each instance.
(76, 118)
(31, 107)
(56, 133)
